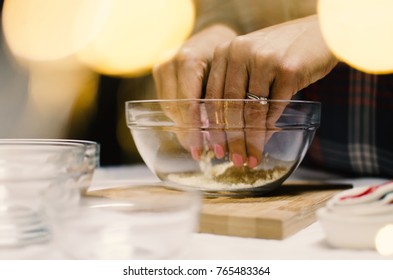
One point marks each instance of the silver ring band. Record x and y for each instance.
(250, 95)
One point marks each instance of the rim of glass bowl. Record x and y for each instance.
(30, 147)
(49, 140)
(40, 142)
(314, 120)
(216, 99)
(222, 100)
(54, 141)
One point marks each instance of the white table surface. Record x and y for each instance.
(307, 244)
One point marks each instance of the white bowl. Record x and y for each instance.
(352, 232)
(352, 218)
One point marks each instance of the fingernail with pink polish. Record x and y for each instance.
(195, 153)
(237, 160)
(252, 162)
(219, 151)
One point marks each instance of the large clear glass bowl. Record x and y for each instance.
(223, 146)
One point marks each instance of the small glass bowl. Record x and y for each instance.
(90, 163)
(30, 172)
(136, 221)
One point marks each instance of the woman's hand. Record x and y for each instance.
(274, 63)
(185, 75)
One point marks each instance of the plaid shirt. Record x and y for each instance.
(356, 132)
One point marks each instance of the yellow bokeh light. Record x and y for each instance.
(384, 240)
(359, 32)
(51, 29)
(53, 86)
(138, 34)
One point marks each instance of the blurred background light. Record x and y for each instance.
(359, 32)
(139, 34)
(51, 29)
(56, 89)
(61, 60)
(384, 240)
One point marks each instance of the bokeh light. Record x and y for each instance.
(139, 34)
(63, 47)
(359, 32)
(51, 29)
(384, 240)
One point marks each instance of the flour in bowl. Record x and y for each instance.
(225, 176)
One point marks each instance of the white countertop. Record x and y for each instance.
(307, 244)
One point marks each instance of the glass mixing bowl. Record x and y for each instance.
(86, 168)
(132, 221)
(38, 180)
(223, 146)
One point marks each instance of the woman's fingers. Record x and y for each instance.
(216, 80)
(255, 114)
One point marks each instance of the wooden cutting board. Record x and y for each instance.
(277, 215)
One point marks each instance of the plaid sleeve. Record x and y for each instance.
(356, 132)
